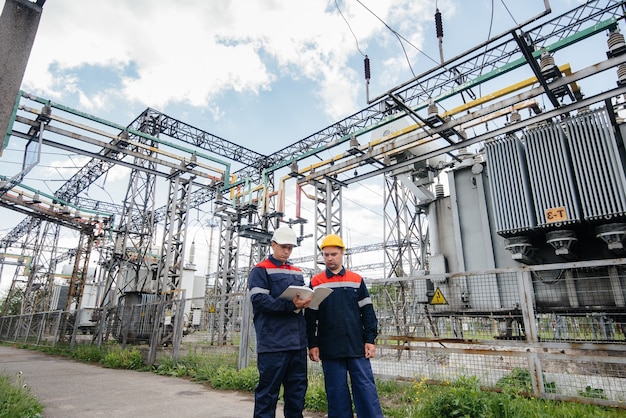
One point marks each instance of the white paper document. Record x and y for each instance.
(319, 294)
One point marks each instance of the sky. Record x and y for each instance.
(260, 73)
(254, 72)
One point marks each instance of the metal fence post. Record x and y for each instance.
(177, 334)
(244, 334)
(156, 332)
(528, 306)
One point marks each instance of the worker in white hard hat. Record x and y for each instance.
(280, 330)
(342, 331)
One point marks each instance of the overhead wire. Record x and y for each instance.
(491, 22)
(349, 27)
(42, 165)
(43, 152)
(509, 12)
(400, 38)
(398, 35)
(482, 65)
(44, 179)
(361, 206)
(101, 188)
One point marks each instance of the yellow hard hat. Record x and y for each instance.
(332, 240)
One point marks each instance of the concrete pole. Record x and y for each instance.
(18, 26)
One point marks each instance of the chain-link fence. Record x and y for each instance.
(555, 332)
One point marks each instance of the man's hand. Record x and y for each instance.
(370, 350)
(314, 354)
(301, 303)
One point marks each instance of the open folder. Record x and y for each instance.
(319, 294)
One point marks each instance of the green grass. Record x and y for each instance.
(464, 398)
(16, 400)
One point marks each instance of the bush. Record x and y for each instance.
(229, 378)
(519, 382)
(87, 352)
(117, 358)
(198, 368)
(461, 399)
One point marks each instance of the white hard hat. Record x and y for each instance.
(285, 235)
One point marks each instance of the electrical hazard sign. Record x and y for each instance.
(438, 298)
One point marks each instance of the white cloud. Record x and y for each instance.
(93, 102)
(197, 52)
(192, 52)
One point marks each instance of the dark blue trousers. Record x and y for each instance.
(363, 386)
(286, 368)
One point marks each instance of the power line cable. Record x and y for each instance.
(361, 206)
(507, 9)
(491, 20)
(400, 38)
(367, 188)
(43, 152)
(43, 165)
(349, 27)
(395, 33)
(482, 65)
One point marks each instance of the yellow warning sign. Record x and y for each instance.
(438, 298)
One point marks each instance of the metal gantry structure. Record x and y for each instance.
(406, 148)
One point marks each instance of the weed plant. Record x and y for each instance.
(118, 358)
(16, 400)
(87, 353)
(315, 399)
(463, 398)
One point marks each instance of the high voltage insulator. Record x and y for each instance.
(439, 28)
(438, 24)
(366, 62)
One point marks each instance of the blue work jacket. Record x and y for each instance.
(345, 320)
(278, 324)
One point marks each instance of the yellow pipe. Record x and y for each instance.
(234, 194)
(566, 68)
(394, 149)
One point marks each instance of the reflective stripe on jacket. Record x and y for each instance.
(345, 320)
(278, 327)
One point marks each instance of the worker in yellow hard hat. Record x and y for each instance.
(342, 331)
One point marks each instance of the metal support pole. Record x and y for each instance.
(19, 22)
(528, 306)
